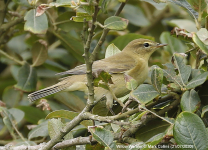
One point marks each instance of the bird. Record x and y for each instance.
(131, 61)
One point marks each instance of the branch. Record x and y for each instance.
(88, 62)
(126, 136)
(88, 115)
(75, 141)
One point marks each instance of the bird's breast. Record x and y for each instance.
(139, 72)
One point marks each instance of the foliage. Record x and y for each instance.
(39, 39)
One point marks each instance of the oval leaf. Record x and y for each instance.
(54, 127)
(131, 83)
(116, 23)
(17, 114)
(39, 53)
(187, 6)
(37, 25)
(190, 101)
(135, 15)
(103, 136)
(199, 43)
(157, 78)
(27, 78)
(40, 131)
(145, 93)
(196, 5)
(198, 80)
(189, 129)
(111, 50)
(174, 44)
(184, 70)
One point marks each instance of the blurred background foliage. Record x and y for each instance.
(31, 56)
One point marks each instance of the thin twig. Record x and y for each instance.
(104, 34)
(11, 58)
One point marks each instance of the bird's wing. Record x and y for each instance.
(114, 64)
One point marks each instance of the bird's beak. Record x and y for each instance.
(161, 45)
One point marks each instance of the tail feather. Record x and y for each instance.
(47, 91)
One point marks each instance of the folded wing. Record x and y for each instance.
(114, 64)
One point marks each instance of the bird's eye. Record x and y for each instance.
(146, 44)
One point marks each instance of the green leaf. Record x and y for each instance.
(184, 70)
(68, 115)
(196, 81)
(186, 24)
(22, 2)
(53, 66)
(14, 70)
(80, 16)
(89, 9)
(17, 114)
(111, 50)
(187, 6)
(11, 97)
(135, 15)
(199, 43)
(202, 35)
(103, 136)
(39, 53)
(145, 93)
(32, 114)
(196, 5)
(170, 74)
(27, 78)
(154, 141)
(115, 23)
(8, 125)
(158, 6)
(131, 83)
(40, 130)
(103, 79)
(100, 108)
(195, 73)
(190, 101)
(151, 129)
(189, 129)
(73, 45)
(157, 78)
(204, 110)
(122, 41)
(104, 4)
(62, 114)
(36, 25)
(71, 100)
(54, 127)
(174, 44)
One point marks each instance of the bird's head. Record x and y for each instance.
(143, 47)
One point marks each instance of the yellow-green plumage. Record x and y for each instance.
(133, 61)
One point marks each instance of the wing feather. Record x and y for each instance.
(113, 64)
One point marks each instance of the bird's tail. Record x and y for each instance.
(47, 91)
